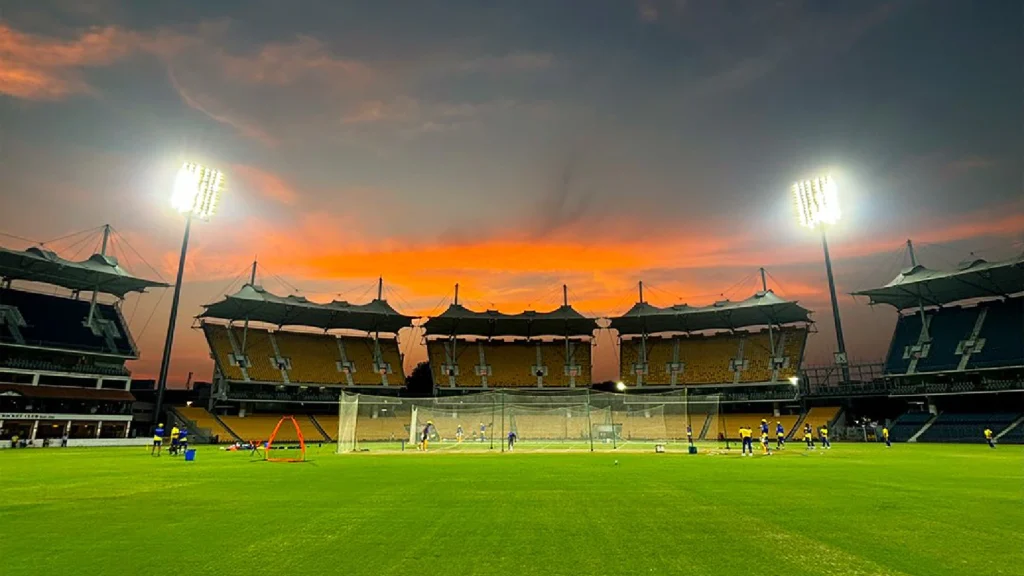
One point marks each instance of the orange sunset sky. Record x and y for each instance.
(512, 149)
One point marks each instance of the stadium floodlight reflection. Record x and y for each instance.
(620, 386)
(196, 192)
(817, 204)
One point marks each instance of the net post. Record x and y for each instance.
(494, 405)
(590, 423)
(502, 421)
(611, 417)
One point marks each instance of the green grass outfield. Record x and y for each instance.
(858, 509)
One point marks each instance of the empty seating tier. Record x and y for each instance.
(46, 320)
(742, 357)
(204, 420)
(820, 416)
(904, 427)
(260, 426)
(509, 364)
(949, 427)
(257, 355)
(987, 335)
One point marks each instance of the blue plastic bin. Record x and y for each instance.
(190, 455)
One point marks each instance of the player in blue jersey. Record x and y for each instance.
(425, 438)
(808, 436)
(183, 440)
(458, 434)
(512, 437)
(158, 440)
(689, 434)
(780, 436)
(483, 432)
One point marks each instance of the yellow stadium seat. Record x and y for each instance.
(820, 416)
(511, 364)
(203, 419)
(313, 357)
(259, 427)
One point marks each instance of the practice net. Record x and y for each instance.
(557, 421)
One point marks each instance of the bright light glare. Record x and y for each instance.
(817, 201)
(793, 380)
(621, 386)
(197, 190)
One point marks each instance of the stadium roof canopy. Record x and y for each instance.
(256, 304)
(760, 309)
(918, 285)
(98, 272)
(458, 320)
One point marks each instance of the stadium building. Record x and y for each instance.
(276, 355)
(471, 350)
(956, 356)
(62, 356)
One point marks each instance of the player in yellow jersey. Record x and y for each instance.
(764, 444)
(746, 437)
(885, 436)
(174, 440)
(824, 437)
(989, 439)
(809, 436)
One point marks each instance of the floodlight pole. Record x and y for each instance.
(835, 308)
(161, 383)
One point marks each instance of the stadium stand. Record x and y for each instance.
(731, 423)
(260, 426)
(454, 363)
(707, 359)
(579, 356)
(906, 335)
(949, 427)
(375, 428)
(906, 425)
(642, 425)
(820, 416)
(741, 358)
(63, 353)
(313, 357)
(1002, 333)
(51, 321)
(512, 363)
(1014, 436)
(526, 350)
(201, 418)
(509, 364)
(306, 358)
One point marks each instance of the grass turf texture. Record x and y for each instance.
(858, 509)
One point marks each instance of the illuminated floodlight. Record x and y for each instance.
(197, 189)
(817, 201)
(620, 386)
(793, 380)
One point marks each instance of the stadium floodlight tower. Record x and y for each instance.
(817, 202)
(196, 192)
